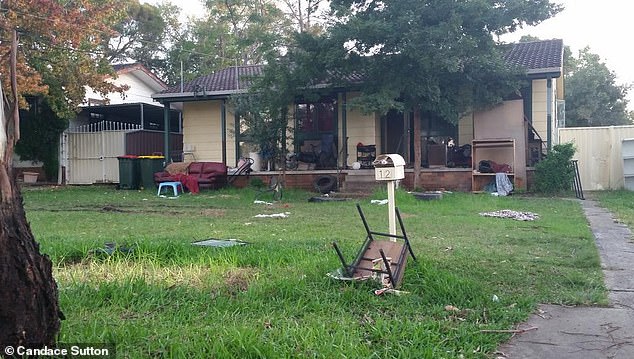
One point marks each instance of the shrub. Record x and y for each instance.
(256, 182)
(555, 173)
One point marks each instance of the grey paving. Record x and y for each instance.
(587, 332)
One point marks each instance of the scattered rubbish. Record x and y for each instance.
(507, 213)
(262, 202)
(451, 308)
(339, 275)
(274, 215)
(213, 242)
(389, 291)
(380, 202)
(111, 248)
(495, 298)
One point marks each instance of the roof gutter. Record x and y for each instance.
(196, 96)
(544, 73)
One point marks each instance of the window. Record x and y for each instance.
(315, 118)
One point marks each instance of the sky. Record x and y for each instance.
(603, 25)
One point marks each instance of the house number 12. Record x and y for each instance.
(385, 173)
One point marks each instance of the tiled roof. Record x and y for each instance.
(231, 79)
(536, 56)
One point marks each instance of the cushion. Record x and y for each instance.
(177, 168)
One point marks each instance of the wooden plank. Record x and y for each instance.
(392, 250)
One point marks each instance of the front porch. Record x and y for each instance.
(362, 180)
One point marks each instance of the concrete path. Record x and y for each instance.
(587, 332)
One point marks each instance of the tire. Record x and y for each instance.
(325, 184)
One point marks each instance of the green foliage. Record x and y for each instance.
(40, 129)
(438, 56)
(237, 32)
(555, 173)
(256, 182)
(265, 124)
(142, 35)
(593, 98)
(272, 298)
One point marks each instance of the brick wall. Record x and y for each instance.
(452, 180)
(458, 180)
(303, 180)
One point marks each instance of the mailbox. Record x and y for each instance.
(389, 167)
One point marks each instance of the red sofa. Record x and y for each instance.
(211, 175)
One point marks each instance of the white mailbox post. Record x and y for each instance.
(390, 168)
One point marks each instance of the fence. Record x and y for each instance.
(89, 152)
(599, 154)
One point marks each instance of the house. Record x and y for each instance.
(117, 124)
(212, 130)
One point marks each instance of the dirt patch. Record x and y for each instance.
(210, 212)
(237, 280)
(114, 209)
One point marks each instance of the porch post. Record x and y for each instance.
(236, 130)
(166, 138)
(142, 117)
(223, 129)
(344, 128)
(549, 112)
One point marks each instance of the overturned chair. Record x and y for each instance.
(383, 260)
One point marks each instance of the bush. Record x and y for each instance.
(555, 173)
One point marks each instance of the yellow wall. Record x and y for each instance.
(560, 87)
(539, 108)
(363, 128)
(202, 130)
(465, 130)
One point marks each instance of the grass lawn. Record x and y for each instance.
(620, 203)
(272, 299)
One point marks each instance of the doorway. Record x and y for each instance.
(394, 134)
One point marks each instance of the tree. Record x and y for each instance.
(304, 14)
(40, 130)
(58, 54)
(593, 98)
(237, 32)
(433, 58)
(142, 35)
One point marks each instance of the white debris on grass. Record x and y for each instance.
(380, 202)
(274, 215)
(507, 213)
(262, 202)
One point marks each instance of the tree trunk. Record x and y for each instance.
(417, 148)
(29, 310)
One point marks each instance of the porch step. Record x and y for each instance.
(360, 181)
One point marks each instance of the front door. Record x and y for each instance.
(393, 134)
